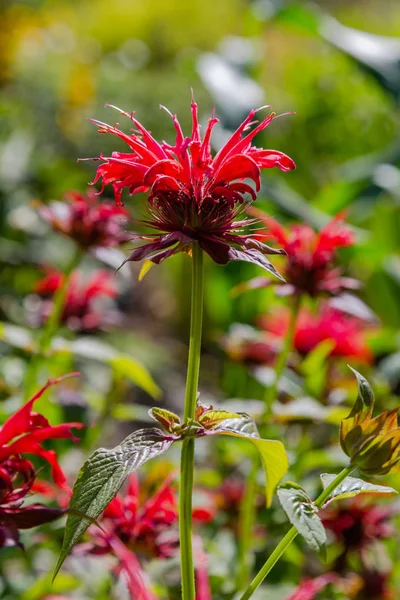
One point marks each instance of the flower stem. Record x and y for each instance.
(291, 534)
(282, 358)
(248, 511)
(246, 525)
(51, 325)
(187, 456)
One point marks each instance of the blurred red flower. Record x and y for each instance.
(82, 311)
(23, 433)
(148, 528)
(347, 333)
(193, 196)
(308, 590)
(310, 256)
(132, 530)
(357, 524)
(87, 221)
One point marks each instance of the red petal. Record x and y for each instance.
(171, 168)
(20, 422)
(266, 159)
(238, 167)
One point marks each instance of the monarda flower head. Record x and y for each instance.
(310, 267)
(88, 222)
(83, 310)
(23, 434)
(193, 196)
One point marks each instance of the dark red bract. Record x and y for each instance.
(310, 259)
(23, 433)
(81, 310)
(193, 196)
(87, 221)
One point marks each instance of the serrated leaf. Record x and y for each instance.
(101, 477)
(272, 452)
(212, 418)
(352, 486)
(302, 513)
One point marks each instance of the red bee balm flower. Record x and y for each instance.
(310, 256)
(194, 197)
(23, 433)
(88, 222)
(80, 312)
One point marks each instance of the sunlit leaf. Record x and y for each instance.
(302, 513)
(146, 266)
(272, 452)
(351, 487)
(211, 418)
(101, 477)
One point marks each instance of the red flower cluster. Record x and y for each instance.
(88, 222)
(193, 196)
(310, 256)
(146, 529)
(347, 333)
(23, 433)
(81, 311)
(130, 530)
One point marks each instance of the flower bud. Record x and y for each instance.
(372, 443)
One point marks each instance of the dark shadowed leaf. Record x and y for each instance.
(351, 487)
(302, 513)
(101, 477)
(255, 257)
(365, 398)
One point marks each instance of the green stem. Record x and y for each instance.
(246, 524)
(187, 456)
(291, 534)
(282, 359)
(51, 325)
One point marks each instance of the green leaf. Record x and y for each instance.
(101, 477)
(165, 418)
(302, 513)
(365, 398)
(18, 337)
(272, 452)
(122, 364)
(351, 487)
(212, 418)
